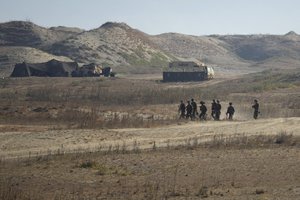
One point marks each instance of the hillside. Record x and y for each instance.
(252, 52)
(129, 50)
(114, 44)
(25, 42)
(263, 47)
(20, 33)
(207, 49)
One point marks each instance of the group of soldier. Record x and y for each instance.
(190, 110)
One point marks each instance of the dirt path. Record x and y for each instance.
(31, 143)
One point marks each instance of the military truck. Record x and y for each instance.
(185, 71)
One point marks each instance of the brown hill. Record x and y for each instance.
(24, 42)
(207, 49)
(20, 33)
(130, 50)
(114, 44)
(249, 52)
(263, 47)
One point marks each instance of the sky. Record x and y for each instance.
(193, 17)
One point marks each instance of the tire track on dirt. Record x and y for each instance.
(22, 144)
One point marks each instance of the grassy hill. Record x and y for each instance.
(114, 44)
(21, 33)
(207, 49)
(130, 50)
(263, 47)
(250, 52)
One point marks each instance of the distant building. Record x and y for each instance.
(185, 71)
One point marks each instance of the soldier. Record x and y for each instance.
(230, 111)
(203, 111)
(181, 109)
(213, 109)
(194, 108)
(255, 106)
(218, 110)
(189, 110)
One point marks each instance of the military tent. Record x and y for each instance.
(52, 68)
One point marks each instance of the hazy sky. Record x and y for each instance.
(195, 17)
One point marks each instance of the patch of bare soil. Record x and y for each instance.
(182, 173)
(31, 142)
(131, 163)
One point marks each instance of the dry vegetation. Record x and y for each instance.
(173, 159)
(119, 102)
(261, 166)
(241, 167)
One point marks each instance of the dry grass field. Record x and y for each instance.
(120, 138)
(258, 169)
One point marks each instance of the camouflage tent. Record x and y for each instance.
(52, 68)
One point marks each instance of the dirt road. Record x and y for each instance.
(30, 142)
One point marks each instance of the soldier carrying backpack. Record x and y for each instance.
(194, 108)
(189, 110)
(181, 110)
(203, 111)
(230, 111)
